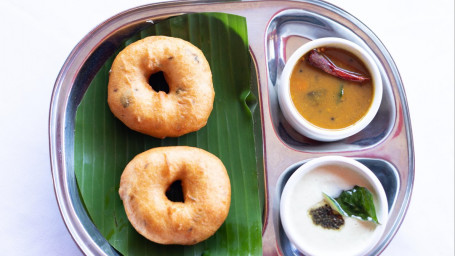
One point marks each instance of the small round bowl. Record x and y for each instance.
(305, 127)
(292, 199)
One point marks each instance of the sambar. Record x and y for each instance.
(328, 101)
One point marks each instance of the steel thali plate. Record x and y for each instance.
(276, 29)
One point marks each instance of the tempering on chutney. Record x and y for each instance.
(326, 217)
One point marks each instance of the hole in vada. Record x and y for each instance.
(175, 192)
(158, 82)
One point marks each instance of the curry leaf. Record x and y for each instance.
(357, 203)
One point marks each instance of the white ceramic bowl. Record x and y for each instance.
(302, 125)
(292, 199)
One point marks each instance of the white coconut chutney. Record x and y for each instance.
(352, 238)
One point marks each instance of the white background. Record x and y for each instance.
(37, 37)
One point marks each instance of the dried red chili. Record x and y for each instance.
(319, 60)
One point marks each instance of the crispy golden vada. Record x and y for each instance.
(206, 194)
(189, 102)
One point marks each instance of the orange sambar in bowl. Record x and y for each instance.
(328, 101)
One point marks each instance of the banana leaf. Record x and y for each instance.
(104, 145)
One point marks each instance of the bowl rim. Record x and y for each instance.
(304, 126)
(355, 166)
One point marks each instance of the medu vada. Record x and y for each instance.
(187, 105)
(206, 194)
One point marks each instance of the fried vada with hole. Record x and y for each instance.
(187, 105)
(206, 194)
